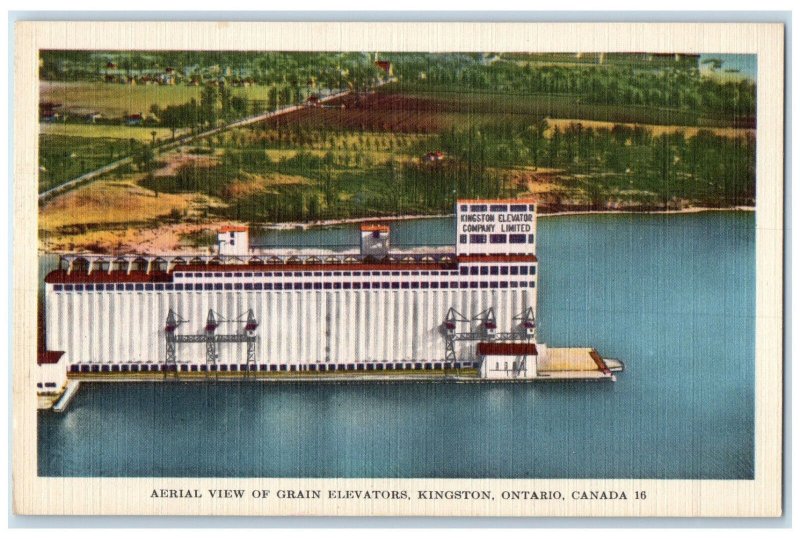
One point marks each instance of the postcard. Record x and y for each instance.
(398, 269)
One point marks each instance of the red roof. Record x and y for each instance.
(48, 357)
(374, 228)
(497, 201)
(234, 228)
(507, 349)
(79, 276)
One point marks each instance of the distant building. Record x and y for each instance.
(385, 66)
(134, 119)
(433, 157)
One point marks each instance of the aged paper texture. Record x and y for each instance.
(432, 269)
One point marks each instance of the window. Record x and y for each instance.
(484, 270)
(100, 287)
(217, 274)
(248, 286)
(523, 270)
(129, 286)
(498, 207)
(228, 275)
(477, 238)
(473, 270)
(404, 284)
(384, 285)
(494, 270)
(317, 286)
(317, 274)
(346, 286)
(463, 207)
(530, 238)
(464, 284)
(118, 286)
(531, 207)
(90, 287)
(514, 270)
(493, 284)
(423, 285)
(148, 287)
(473, 284)
(346, 274)
(484, 284)
(533, 270)
(327, 286)
(434, 284)
(516, 238)
(497, 238)
(478, 207)
(297, 286)
(237, 286)
(519, 207)
(356, 286)
(217, 286)
(159, 287)
(503, 284)
(166, 286)
(278, 286)
(228, 286)
(306, 286)
(79, 288)
(208, 286)
(395, 285)
(532, 284)
(248, 274)
(178, 286)
(462, 238)
(464, 270)
(237, 274)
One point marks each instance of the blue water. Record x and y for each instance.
(672, 296)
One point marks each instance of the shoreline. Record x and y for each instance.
(332, 223)
(356, 220)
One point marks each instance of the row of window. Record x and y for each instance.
(464, 270)
(384, 285)
(311, 273)
(496, 238)
(243, 367)
(497, 207)
(497, 270)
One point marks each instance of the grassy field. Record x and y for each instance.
(62, 158)
(656, 130)
(122, 132)
(114, 100)
(555, 106)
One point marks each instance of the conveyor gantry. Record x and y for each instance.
(487, 330)
(211, 339)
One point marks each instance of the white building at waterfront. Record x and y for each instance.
(471, 306)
